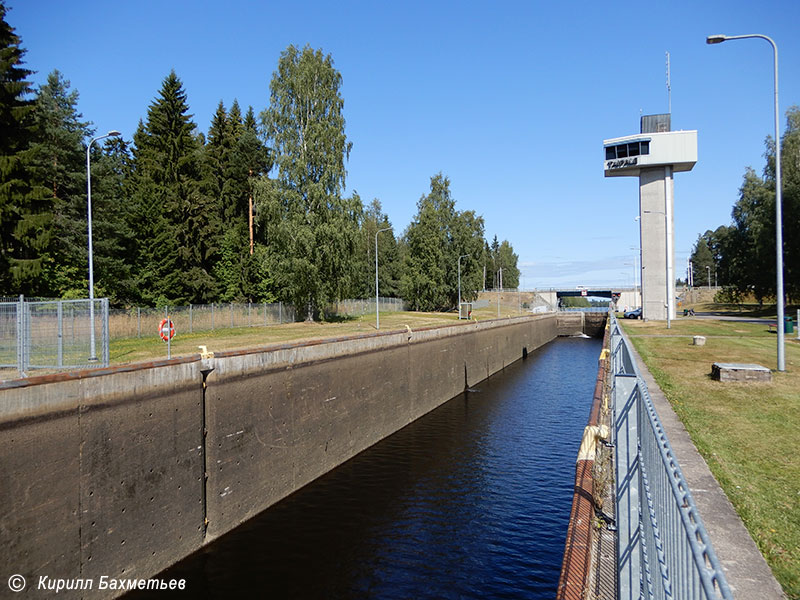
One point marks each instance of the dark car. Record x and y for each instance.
(633, 314)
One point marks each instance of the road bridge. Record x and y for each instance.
(626, 296)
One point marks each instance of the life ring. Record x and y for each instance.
(163, 331)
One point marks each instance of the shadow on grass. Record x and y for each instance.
(339, 318)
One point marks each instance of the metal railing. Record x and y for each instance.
(663, 548)
(53, 334)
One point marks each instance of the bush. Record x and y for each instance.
(728, 295)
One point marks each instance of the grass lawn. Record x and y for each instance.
(152, 347)
(747, 433)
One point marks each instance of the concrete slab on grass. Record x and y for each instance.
(740, 372)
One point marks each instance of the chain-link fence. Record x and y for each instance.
(53, 334)
(138, 322)
(357, 308)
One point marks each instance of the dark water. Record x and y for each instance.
(471, 501)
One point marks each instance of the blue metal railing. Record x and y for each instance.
(663, 550)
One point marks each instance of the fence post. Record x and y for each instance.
(20, 335)
(212, 316)
(190, 318)
(139, 321)
(106, 335)
(60, 360)
(265, 314)
(231, 315)
(280, 313)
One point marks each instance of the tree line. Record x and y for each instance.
(741, 256)
(254, 210)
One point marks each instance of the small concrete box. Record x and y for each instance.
(740, 372)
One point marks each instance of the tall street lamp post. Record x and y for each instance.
(718, 39)
(112, 133)
(377, 312)
(459, 283)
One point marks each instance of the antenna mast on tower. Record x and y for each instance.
(669, 88)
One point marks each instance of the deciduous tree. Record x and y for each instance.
(309, 228)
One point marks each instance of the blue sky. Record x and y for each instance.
(510, 100)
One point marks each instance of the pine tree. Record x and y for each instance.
(25, 208)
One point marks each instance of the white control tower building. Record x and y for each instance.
(654, 156)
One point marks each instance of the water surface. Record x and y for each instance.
(470, 501)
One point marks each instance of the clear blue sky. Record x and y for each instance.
(510, 100)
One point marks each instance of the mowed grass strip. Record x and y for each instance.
(151, 347)
(748, 433)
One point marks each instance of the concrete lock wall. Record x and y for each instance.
(103, 472)
(101, 475)
(577, 323)
(277, 421)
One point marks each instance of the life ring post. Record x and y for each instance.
(166, 330)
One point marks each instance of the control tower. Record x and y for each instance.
(654, 156)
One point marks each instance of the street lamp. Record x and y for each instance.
(112, 133)
(459, 283)
(377, 312)
(718, 39)
(636, 287)
(708, 276)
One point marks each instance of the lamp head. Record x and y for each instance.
(715, 39)
(113, 133)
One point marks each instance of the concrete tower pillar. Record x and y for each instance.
(654, 156)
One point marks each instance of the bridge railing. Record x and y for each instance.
(663, 549)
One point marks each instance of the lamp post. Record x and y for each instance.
(718, 39)
(708, 276)
(636, 270)
(112, 133)
(377, 312)
(459, 283)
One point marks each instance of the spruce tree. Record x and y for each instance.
(25, 209)
(435, 240)
(59, 165)
(177, 257)
(114, 243)
(374, 219)
(235, 156)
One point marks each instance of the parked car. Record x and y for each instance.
(636, 313)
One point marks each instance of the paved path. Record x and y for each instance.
(748, 574)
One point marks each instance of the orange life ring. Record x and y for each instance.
(162, 331)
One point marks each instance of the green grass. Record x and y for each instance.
(747, 433)
(152, 347)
